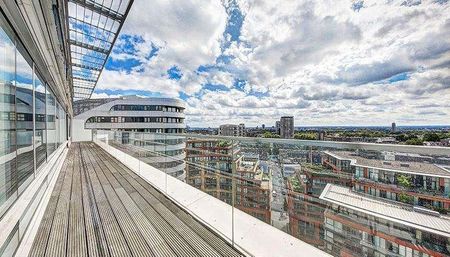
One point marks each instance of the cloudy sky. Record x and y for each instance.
(328, 62)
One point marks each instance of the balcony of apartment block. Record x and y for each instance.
(105, 201)
(109, 196)
(389, 186)
(374, 218)
(312, 208)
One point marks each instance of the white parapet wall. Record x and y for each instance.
(251, 235)
(79, 133)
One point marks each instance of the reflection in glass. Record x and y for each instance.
(8, 170)
(51, 127)
(39, 114)
(24, 120)
(62, 118)
(57, 125)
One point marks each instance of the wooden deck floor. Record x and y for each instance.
(101, 208)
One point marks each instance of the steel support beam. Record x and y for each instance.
(100, 10)
(83, 79)
(89, 47)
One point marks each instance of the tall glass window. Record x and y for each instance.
(51, 127)
(24, 121)
(62, 133)
(40, 136)
(32, 123)
(57, 124)
(8, 168)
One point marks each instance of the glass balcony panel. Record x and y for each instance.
(280, 182)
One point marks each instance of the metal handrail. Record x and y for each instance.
(426, 150)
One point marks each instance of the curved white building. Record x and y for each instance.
(130, 115)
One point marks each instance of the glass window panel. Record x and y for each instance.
(51, 127)
(8, 168)
(57, 125)
(24, 121)
(40, 134)
(62, 126)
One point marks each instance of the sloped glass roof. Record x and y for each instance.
(93, 29)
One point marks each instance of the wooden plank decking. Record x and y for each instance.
(99, 207)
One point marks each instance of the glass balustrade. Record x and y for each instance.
(343, 198)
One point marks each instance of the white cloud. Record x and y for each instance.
(189, 31)
(326, 62)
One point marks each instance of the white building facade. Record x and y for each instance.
(137, 121)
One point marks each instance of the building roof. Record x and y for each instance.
(419, 168)
(105, 108)
(343, 196)
(93, 29)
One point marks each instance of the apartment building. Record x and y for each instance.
(253, 188)
(336, 163)
(373, 211)
(363, 226)
(232, 130)
(305, 209)
(129, 114)
(416, 183)
(84, 105)
(287, 127)
(211, 165)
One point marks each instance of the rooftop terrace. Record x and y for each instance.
(99, 207)
(393, 212)
(420, 168)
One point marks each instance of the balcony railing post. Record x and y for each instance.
(165, 159)
(233, 190)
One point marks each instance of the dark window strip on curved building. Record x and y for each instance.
(106, 119)
(129, 107)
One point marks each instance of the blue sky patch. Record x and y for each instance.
(259, 94)
(234, 24)
(239, 84)
(153, 52)
(215, 87)
(122, 64)
(358, 5)
(183, 95)
(399, 77)
(205, 68)
(126, 44)
(174, 73)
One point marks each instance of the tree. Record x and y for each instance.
(404, 180)
(414, 141)
(401, 138)
(223, 143)
(269, 134)
(404, 198)
(431, 137)
(305, 136)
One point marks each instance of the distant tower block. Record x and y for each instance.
(287, 127)
(393, 127)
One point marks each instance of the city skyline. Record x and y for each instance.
(232, 61)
